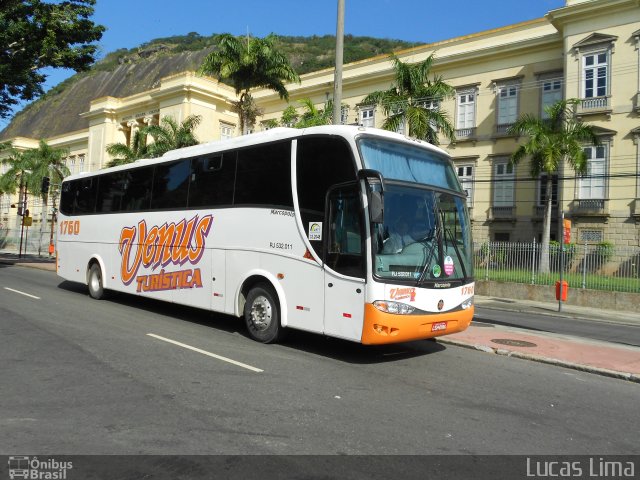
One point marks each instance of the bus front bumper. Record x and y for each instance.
(380, 327)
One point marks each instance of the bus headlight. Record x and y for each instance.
(467, 303)
(393, 307)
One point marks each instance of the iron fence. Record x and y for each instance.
(601, 267)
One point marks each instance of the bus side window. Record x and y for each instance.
(85, 198)
(137, 194)
(264, 176)
(67, 197)
(171, 185)
(212, 180)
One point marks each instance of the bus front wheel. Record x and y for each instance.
(96, 289)
(262, 314)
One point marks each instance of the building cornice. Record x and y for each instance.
(560, 17)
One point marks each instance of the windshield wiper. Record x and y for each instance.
(432, 251)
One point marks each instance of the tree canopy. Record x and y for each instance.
(413, 101)
(249, 62)
(169, 135)
(35, 34)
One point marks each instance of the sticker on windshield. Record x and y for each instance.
(436, 271)
(315, 230)
(448, 266)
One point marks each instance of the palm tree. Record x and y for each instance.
(552, 141)
(28, 168)
(410, 101)
(122, 153)
(249, 63)
(170, 135)
(16, 178)
(46, 161)
(313, 116)
(17, 175)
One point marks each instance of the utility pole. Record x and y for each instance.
(337, 83)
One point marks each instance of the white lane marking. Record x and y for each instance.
(204, 352)
(21, 293)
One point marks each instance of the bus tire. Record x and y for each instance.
(262, 314)
(94, 281)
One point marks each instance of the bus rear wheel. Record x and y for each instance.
(262, 314)
(94, 281)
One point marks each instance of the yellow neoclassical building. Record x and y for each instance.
(589, 50)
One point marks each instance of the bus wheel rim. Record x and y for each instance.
(95, 281)
(261, 313)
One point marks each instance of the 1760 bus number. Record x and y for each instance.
(70, 227)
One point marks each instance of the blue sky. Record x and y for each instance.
(132, 22)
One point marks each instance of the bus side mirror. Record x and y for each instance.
(376, 207)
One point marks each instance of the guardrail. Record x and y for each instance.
(591, 266)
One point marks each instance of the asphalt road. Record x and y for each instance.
(81, 376)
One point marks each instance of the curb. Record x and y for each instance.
(48, 266)
(631, 377)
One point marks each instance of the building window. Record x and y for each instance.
(71, 165)
(465, 174)
(367, 117)
(4, 204)
(542, 190)
(593, 184)
(590, 236)
(551, 94)
(501, 237)
(81, 164)
(595, 71)
(503, 183)
(226, 131)
(507, 106)
(344, 115)
(466, 110)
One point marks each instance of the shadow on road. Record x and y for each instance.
(337, 349)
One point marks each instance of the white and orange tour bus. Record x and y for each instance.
(350, 232)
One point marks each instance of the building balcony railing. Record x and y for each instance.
(501, 129)
(503, 213)
(465, 134)
(594, 106)
(590, 207)
(538, 211)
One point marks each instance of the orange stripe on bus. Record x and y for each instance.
(380, 327)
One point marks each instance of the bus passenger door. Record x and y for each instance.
(344, 268)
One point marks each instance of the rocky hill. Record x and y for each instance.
(126, 72)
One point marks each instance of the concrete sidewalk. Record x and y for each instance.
(604, 358)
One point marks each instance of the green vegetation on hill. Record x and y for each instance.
(125, 72)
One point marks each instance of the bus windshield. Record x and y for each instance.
(425, 237)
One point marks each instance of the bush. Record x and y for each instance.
(604, 251)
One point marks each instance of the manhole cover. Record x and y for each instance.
(513, 343)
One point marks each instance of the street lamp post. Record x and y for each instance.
(337, 84)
